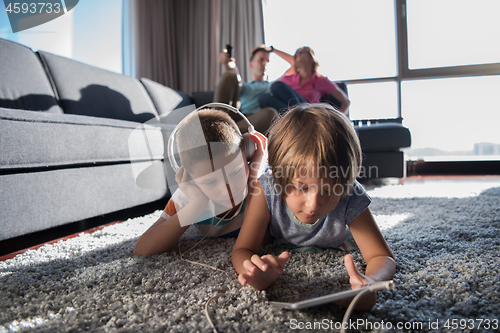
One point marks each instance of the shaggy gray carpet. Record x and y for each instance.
(448, 267)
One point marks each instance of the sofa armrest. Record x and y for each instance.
(385, 136)
(201, 98)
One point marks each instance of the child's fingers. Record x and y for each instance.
(242, 279)
(283, 258)
(245, 279)
(258, 143)
(258, 262)
(179, 174)
(355, 278)
(271, 261)
(249, 266)
(185, 177)
(260, 139)
(277, 263)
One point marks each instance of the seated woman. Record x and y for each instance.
(302, 83)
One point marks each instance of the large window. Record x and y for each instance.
(351, 39)
(90, 33)
(453, 119)
(435, 63)
(373, 100)
(451, 104)
(447, 33)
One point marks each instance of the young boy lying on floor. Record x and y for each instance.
(214, 181)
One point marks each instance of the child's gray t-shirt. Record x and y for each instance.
(330, 231)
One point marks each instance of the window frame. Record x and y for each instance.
(405, 73)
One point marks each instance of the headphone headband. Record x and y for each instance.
(171, 139)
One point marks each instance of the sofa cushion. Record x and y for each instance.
(91, 91)
(201, 98)
(23, 82)
(164, 98)
(383, 137)
(35, 140)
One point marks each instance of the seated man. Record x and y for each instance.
(245, 95)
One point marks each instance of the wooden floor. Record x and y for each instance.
(467, 180)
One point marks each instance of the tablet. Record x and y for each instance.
(320, 297)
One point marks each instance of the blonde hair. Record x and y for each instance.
(217, 127)
(314, 136)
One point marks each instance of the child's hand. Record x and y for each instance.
(260, 151)
(189, 188)
(261, 143)
(263, 271)
(357, 279)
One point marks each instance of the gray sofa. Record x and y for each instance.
(72, 144)
(382, 141)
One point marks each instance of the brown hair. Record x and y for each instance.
(314, 135)
(311, 52)
(217, 126)
(259, 48)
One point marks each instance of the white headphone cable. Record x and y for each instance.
(376, 286)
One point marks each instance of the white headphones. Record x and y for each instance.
(249, 144)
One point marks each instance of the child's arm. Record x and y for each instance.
(160, 237)
(258, 272)
(163, 234)
(380, 263)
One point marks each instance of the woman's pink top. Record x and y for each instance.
(312, 89)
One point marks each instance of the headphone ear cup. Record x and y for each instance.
(249, 146)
